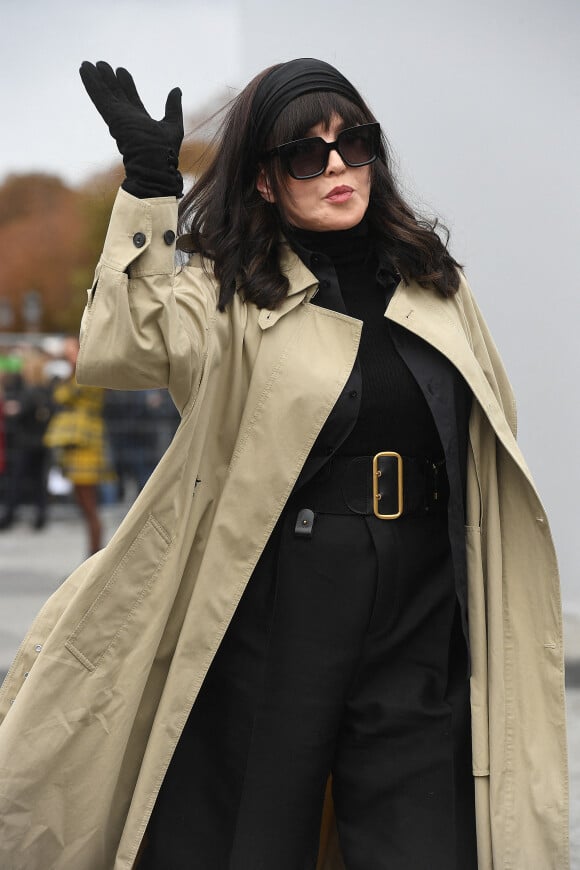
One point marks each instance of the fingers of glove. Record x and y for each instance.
(127, 83)
(96, 88)
(173, 111)
(109, 79)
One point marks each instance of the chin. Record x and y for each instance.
(343, 221)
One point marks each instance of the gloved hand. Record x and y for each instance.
(150, 149)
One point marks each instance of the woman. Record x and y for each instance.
(77, 434)
(270, 663)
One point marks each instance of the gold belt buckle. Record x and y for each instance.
(377, 495)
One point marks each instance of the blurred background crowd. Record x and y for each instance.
(60, 441)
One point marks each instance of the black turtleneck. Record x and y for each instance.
(393, 413)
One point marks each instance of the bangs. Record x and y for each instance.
(305, 112)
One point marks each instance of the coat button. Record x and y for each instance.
(139, 240)
(353, 394)
(168, 237)
(38, 647)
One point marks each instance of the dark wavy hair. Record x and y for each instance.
(239, 234)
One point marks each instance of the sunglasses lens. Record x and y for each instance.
(358, 146)
(306, 157)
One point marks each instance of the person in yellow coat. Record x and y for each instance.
(77, 434)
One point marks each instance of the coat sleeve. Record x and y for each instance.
(145, 323)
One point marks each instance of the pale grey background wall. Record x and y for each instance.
(481, 103)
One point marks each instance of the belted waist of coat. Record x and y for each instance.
(387, 485)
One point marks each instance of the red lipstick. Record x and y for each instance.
(339, 194)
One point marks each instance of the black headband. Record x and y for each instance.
(290, 80)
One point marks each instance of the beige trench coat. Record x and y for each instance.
(102, 685)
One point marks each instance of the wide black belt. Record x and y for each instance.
(387, 485)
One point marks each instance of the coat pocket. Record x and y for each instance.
(119, 599)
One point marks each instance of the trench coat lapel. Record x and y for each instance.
(442, 323)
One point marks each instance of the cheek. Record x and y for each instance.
(296, 199)
(368, 179)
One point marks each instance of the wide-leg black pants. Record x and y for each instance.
(344, 657)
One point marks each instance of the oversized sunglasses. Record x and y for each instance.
(307, 158)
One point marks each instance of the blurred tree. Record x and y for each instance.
(40, 241)
(24, 195)
(51, 236)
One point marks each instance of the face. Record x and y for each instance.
(335, 200)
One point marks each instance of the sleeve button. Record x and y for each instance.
(139, 240)
(168, 237)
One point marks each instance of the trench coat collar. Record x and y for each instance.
(299, 275)
(302, 283)
(302, 287)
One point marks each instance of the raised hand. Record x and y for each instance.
(150, 148)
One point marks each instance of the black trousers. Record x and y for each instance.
(344, 657)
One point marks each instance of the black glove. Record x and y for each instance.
(150, 148)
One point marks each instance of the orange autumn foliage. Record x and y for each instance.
(51, 235)
(41, 242)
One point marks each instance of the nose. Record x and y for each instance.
(335, 163)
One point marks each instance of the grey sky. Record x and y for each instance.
(480, 102)
(48, 121)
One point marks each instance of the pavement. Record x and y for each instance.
(34, 563)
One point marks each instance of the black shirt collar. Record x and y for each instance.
(350, 247)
